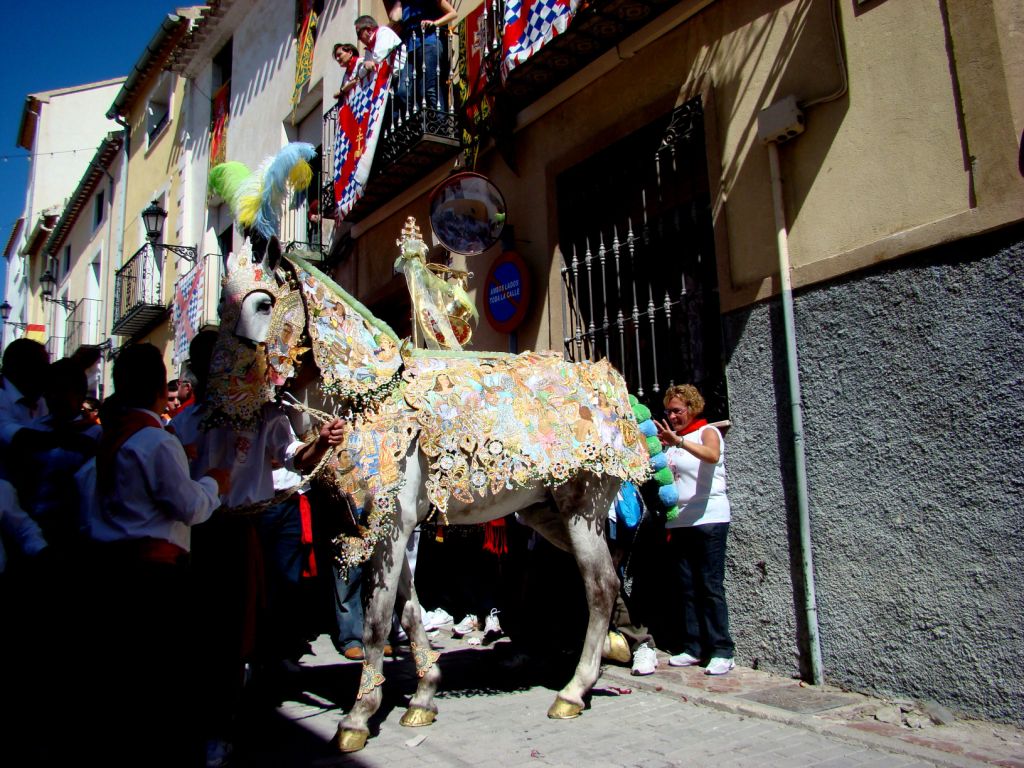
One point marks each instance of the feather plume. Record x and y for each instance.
(227, 179)
(276, 175)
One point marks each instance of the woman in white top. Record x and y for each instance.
(696, 455)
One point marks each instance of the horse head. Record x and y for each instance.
(254, 293)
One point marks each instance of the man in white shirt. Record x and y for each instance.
(142, 609)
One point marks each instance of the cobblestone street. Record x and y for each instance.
(489, 715)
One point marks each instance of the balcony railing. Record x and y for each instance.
(83, 324)
(138, 293)
(420, 129)
(302, 229)
(55, 347)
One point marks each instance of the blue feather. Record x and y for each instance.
(659, 461)
(275, 184)
(648, 428)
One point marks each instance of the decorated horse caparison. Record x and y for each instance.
(468, 437)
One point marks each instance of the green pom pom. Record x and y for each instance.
(633, 401)
(664, 476)
(672, 514)
(653, 445)
(642, 412)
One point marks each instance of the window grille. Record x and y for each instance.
(639, 276)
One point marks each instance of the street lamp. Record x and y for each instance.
(5, 314)
(153, 219)
(46, 283)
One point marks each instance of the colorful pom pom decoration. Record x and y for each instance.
(667, 493)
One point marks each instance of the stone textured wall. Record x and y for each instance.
(913, 384)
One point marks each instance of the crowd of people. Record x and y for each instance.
(188, 565)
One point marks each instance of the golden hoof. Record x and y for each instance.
(616, 648)
(564, 710)
(417, 716)
(350, 740)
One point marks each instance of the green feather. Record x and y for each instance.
(227, 178)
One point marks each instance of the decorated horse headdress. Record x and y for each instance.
(275, 308)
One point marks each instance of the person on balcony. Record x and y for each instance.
(347, 56)
(425, 66)
(380, 42)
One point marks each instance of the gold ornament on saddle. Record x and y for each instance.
(442, 308)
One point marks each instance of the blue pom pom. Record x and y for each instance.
(648, 428)
(659, 461)
(669, 495)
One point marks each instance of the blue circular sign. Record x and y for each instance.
(507, 292)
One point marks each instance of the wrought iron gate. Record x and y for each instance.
(639, 277)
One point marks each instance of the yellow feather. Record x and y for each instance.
(248, 207)
(300, 175)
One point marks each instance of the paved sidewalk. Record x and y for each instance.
(493, 714)
(836, 713)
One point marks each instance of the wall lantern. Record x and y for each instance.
(153, 219)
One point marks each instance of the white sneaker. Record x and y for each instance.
(491, 625)
(645, 660)
(683, 660)
(719, 666)
(436, 619)
(468, 624)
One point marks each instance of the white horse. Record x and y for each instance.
(469, 437)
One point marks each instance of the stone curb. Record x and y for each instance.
(661, 683)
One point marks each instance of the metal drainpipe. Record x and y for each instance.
(810, 607)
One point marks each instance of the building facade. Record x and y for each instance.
(61, 130)
(812, 210)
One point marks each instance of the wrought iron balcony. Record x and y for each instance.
(138, 293)
(420, 129)
(55, 347)
(83, 325)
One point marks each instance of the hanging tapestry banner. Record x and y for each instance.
(187, 308)
(220, 113)
(360, 120)
(474, 43)
(530, 25)
(304, 53)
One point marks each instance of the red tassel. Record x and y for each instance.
(439, 534)
(495, 539)
(306, 539)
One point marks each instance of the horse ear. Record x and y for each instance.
(273, 253)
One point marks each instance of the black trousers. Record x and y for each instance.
(698, 553)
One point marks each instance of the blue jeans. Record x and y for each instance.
(348, 608)
(698, 553)
(421, 70)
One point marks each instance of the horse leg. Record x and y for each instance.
(583, 505)
(422, 709)
(380, 581)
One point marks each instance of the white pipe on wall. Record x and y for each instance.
(810, 607)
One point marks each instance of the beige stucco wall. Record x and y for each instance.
(155, 173)
(883, 170)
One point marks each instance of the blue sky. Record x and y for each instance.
(54, 45)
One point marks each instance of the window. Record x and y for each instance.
(65, 267)
(640, 283)
(220, 105)
(98, 210)
(158, 108)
